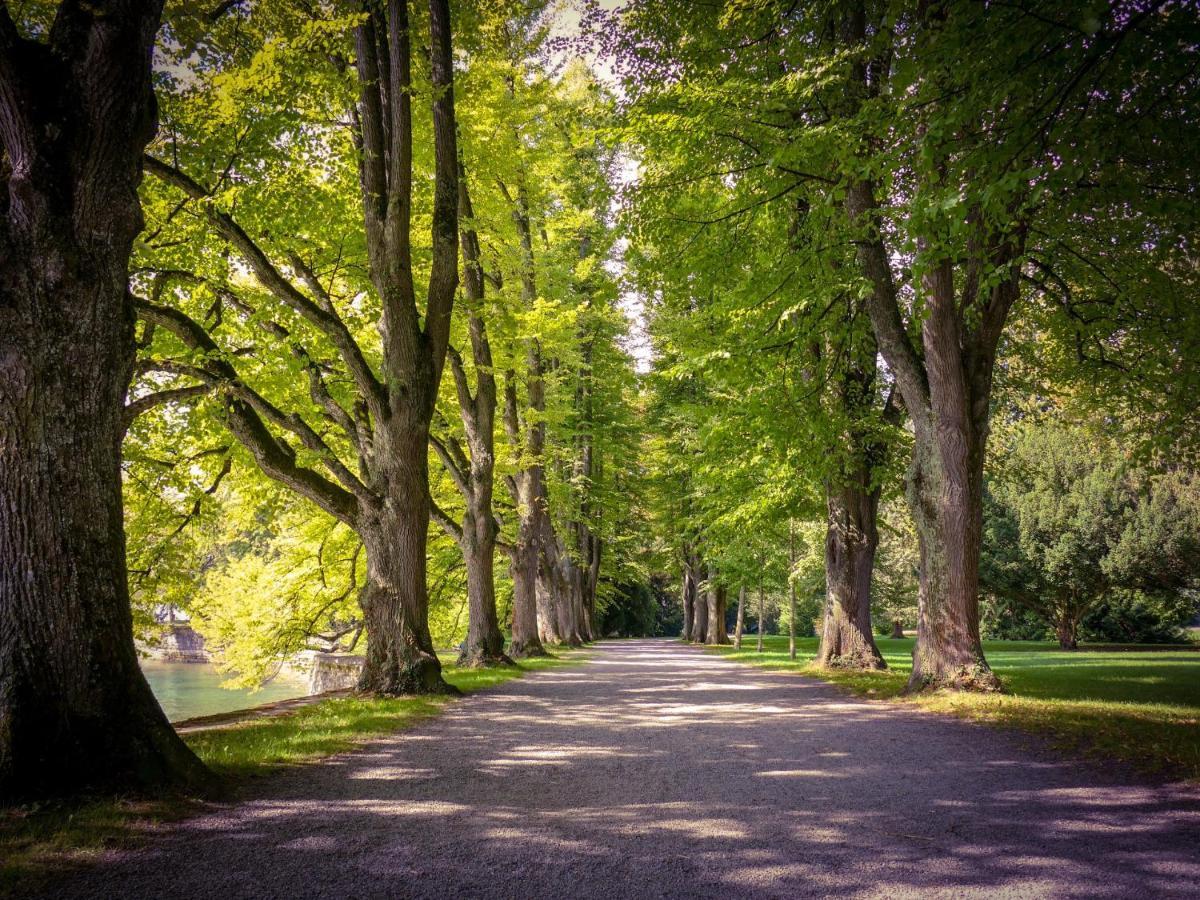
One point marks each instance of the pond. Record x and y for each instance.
(187, 690)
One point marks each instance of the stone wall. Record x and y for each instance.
(178, 643)
(328, 671)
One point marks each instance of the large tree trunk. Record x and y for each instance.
(946, 385)
(851, 539)
(945, 495)
(75, 115)
(476, 537)
(485, 642)
(394, 526)
(1066, 628)
(716, 633)
(523, 567)
(559, 575)
(400, 657)
(549, 622)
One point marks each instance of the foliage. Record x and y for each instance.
(1070, 521)
(258, 106)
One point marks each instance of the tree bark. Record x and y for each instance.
(75, 115)
(897, 629)
(741, 618)
(523, 561)
(716, 633)
(1066, 629)
(762, 612)
(700, 618)
(485, 642)
(548, 606)
(400, 657)
(851, 538)
(688, 591)
(945, 495)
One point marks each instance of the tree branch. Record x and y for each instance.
(453, 529)
(245, 408)
(325, 320)
(443, 277)
(137, 407)
(453, 469)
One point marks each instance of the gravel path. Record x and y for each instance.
(657, 770)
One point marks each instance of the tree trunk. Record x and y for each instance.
(741, 618)
(762, 612)
(897, 629)
(75, 115)
(523, 561)
(851, 538)
(477, 538)
(688, 604)
(1066, 629)
(791, 590)
(945, 495)
(579, 604)
(700, 618)
(547, 604)
(400, 657)
(485, 642)
(716, 615)
(394, 525)
(593, 582)
(562, 586)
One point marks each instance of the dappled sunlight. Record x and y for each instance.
(659, 761)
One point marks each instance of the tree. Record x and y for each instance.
(1072, 524)
(474, 475)
(76, 110)
(978, 195)
(382, 406)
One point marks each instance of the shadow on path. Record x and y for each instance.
(657, 770)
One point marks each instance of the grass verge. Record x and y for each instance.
(1140, 706)
(36, 840)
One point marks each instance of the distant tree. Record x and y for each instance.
(1070, 523)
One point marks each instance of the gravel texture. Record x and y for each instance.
(657, 770)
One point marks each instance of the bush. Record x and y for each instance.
(1004, 620)
(1136, 618)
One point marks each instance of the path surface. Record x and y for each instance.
(657, 770)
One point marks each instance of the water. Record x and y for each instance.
(187, 690)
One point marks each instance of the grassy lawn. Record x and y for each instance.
(36, 840)
(1138, 705)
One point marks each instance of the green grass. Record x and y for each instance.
(1139, 705)
(37, 840)
(332, 726)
